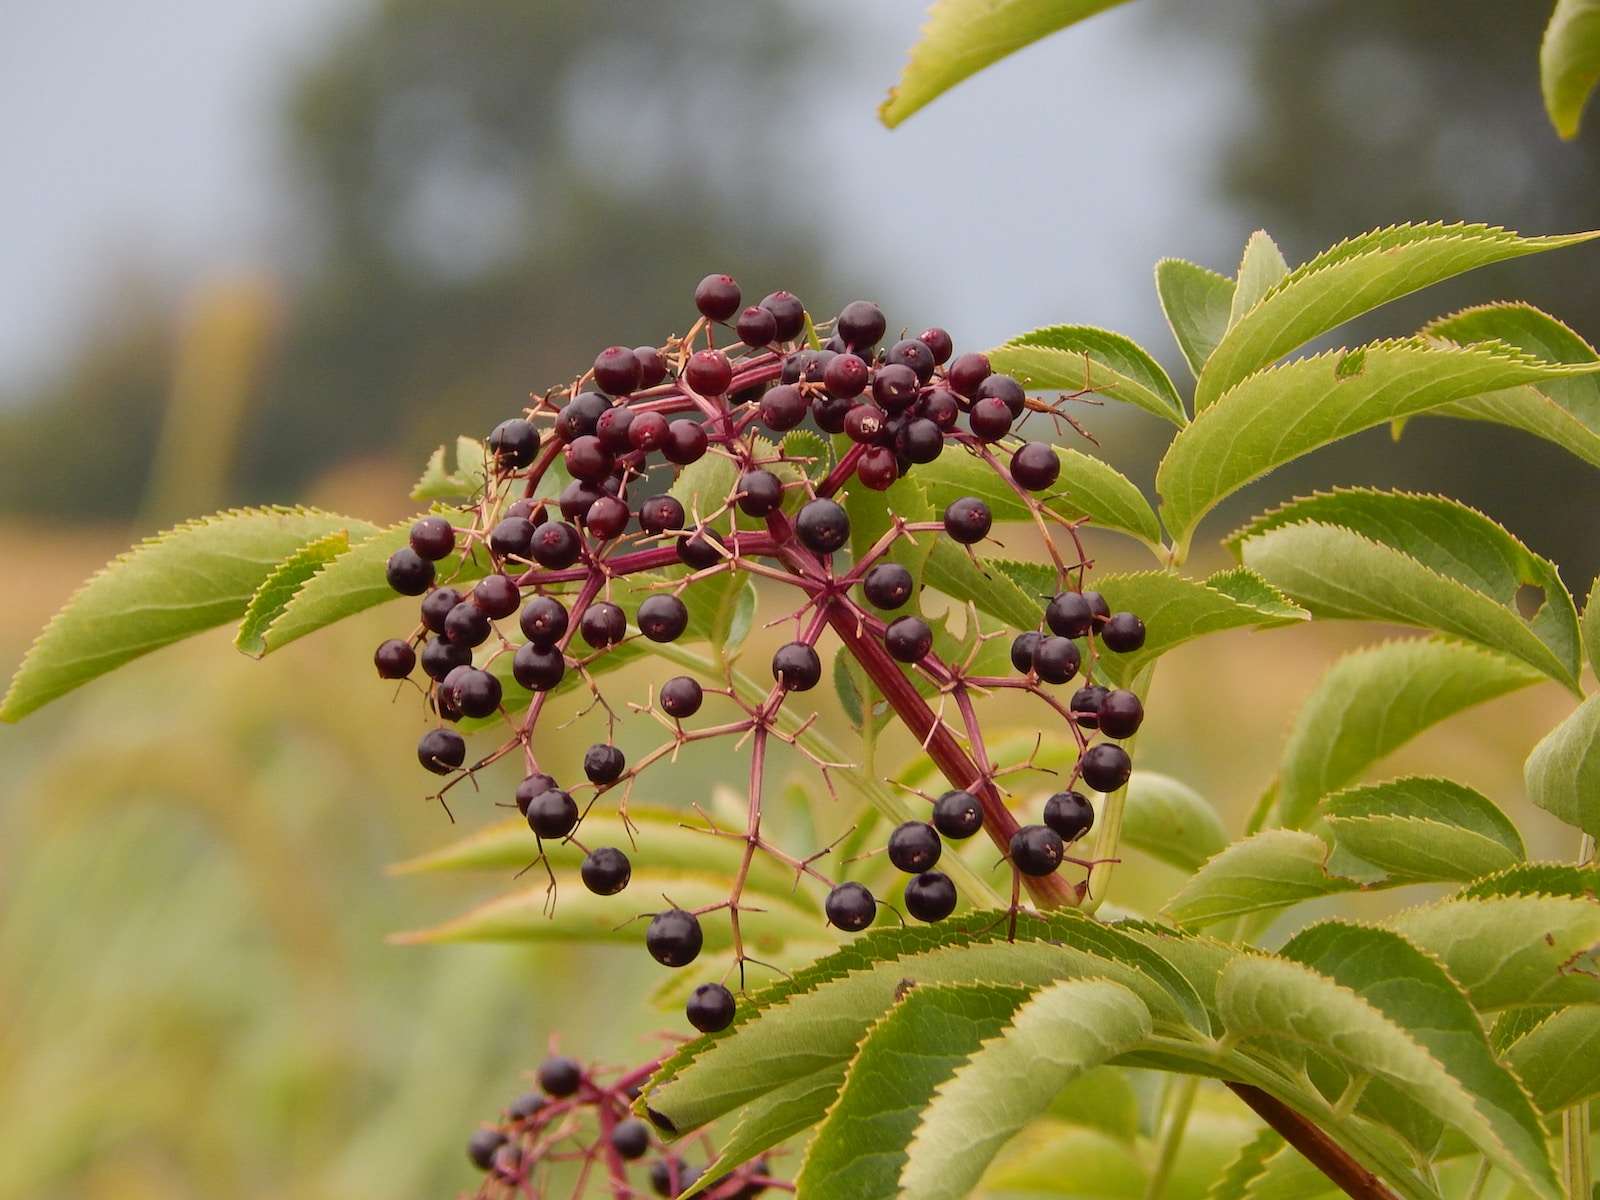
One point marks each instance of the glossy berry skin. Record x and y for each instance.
(941, 407)
(511, 538)
(513, 443)
(908, 639)
(477, 693)
(930, 896)
(788, 314)
(444, 696)
(617, 370)
(1023, 647)
(914, 847)
(1056, 659)
(576, 499)
(560, 1076)
(436, 606)
(717, 297)
(686, 442)
(1069, 615)
(968, 520)
(967, 372)
(681, 697)
(467, 625)
(878, 468)
(894, 387)
(1036, 850)
(1085, 705)
(482, 1145)
(708, 372)
(1121, 714)
(990, 419)
(587, 459)
(432, 538)
(647, 431)
(603, 763)
(756, 327)
(581, 415)
(913, 353)
(861, 324)
(606, 870)
(938, 343)
(887, 585)
(1123, 632)
(796, 667)
(497, 595)
(674, 937)
(920, 440)
(441, 750)
(1070, 814)
(553, 814)
(845, 376)
(710, 1008)
(533, 785)
(850, 907)
(603, 624)
(957, 814)
(394, 659)
(538, 668)
(607, 518)
(865, 423)
(652, 366)
(661, 513)
(408, 572)
(699, 549)
(1035, 466)
(1004, 389)
(783, 407)
(662, 618)
(1105, 767)
(760, 493)
(440, 657)
(631, 1138)
(830, 413)
(556, 545)
(822, 526)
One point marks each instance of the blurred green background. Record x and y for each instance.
(280, 252)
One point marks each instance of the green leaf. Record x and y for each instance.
(1198, 304)
(1102, 1099)
(1247, 1166)
(1419, 828)
(1537, 879)
(1086, 487)
(962, 37)
(1414, 992)
(1421, 560)
(1569, 62)
(173, 585)
(1083, 358)
(1268, 870)
(861, 1146)
(1049, 1160)
(773, 1118)
(1559, 1060)
(468, 478)
(278, 588)
(1170, 821)
(1277, 415)
(1260, 270)
(1356, 276)
(1563, 772)
(1591, 625)
(1563, 411)
(1377, 699)
(1059, 1033)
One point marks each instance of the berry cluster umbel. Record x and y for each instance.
(557, 561)
(578, 1118)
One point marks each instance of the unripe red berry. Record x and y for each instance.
(717, 297)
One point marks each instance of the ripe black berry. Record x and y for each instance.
(661, 513)
(710, 1008)
(760, 492)
(603, 624)
(708, 372)
(603, 763)
(1023, 647)
(526, 1105)
(605, 871)
(1005, 389)
(822, 526)
(538, 668)
(394, 659)
(968, 520)
(698, 550)
(1036, 850)
(497, 594)
(887, 585)
(606, 518)
(783, 407)
(788, 312)
(1105, 767)
(647, 431)
(441, 750)
(581, 415)
(878, 467)
(845, 376)
(576, 499)
(436, 606)
(1121, 714)
(796, 667)
(865, 423)
(931, 896)
(1056, 659)
(957, 814)
(940, 407)
(1085, 705)
(990, 419)
(830, 413)
(681, 697)
(850, 907)
(513, 443)
(467, 625)
(938, 343)
(445, 694)
(553, 814)
(674, 937)
(894, 387)
(652, 366)
(861, 324)
(617, 370)
(1035, 466)
(587, 459)
(556, 545)
(543, 620)
(914, 847)
(511, 538)
(560, 1076)
(631, 1138)
(662, 618)
(1069, 615)
(717, 297)
(477, 693)
(613, 429)
(756, 326)
(1070, 814)
(1123, 632)
(920, 440)
(408, 572)
(913, 353)
(482, 1145)
(440, 657)
(967, 372)
(533, 785)
(686, 442)
(908, 639)
(432, 538)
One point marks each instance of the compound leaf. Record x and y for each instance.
(1073, 358)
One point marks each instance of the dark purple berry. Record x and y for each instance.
(708, 372)
(526, 1106)
(1069, 615)
(788, 312)
(894, 387)
(497, 594)
(662, 618)
(940, 407)
(861, 324)
(394, 659)
(878, 468)
(850, 907)
(1085, 705)
(968, 520)
(756, 327)
(717, 297)
(887, 585)
(652, 366)
(560, 1076)
(920, 440)
(661, 513)
(587, 459)
(674, 937)
(577, 498)
(1035, 466)
(513, 443)
(408, 572)
(442, 750)
(482, 1145)
(913, 353)
(930, 896)
(467, 625)
(865, 423)
(1123, 632)
(533, 785)
(822, 526)
(1070, 814)
(967, 373)
(603, 624)
(553, 814)
(617, 370)
(436, 606)
(990, 419)
(783, 407)
(1023, 647)
(606, 871)
(957, 814)
(681, 697)
(647, 431)
(710, 1008)
(760, 493)
(796, 667)
(511, 538)
(615, 429)
(698, 550)
(794, 366)
(603, 763)
(1036, 850)
(686, 442)
(445, 697)
(908, 639)
(607, 518)
(440, 657)
(631, 1138)
(433, 538)
(1056, 659)
(538, 668)
(914, 847)
(1121, 714)
(556, 545)
(1105, 767)
(845, 376)
(1005, 389)
(581, 415)
(830, 413)
(938, 343)
(477, 693)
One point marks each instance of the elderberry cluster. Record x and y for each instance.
(578, 1119)
(575, 513)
